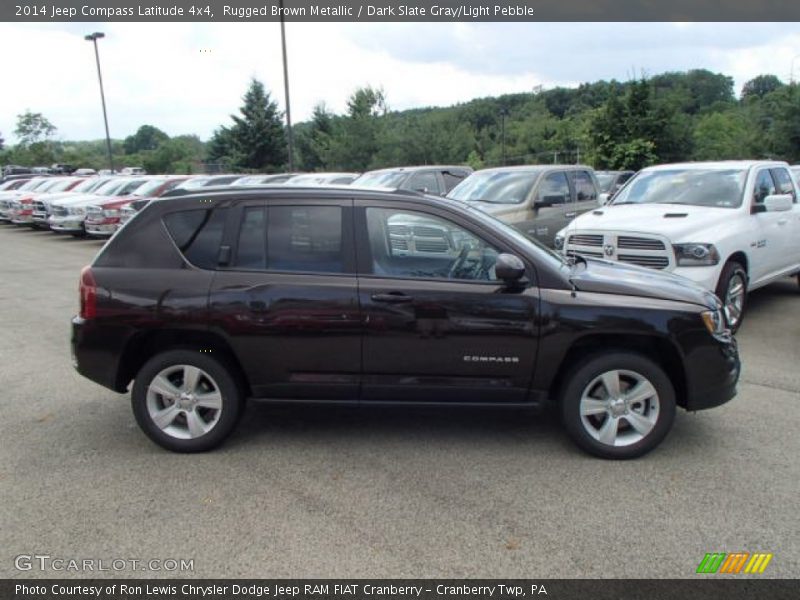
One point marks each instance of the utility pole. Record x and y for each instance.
(503, 115)
(289, 134)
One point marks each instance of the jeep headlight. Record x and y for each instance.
(714, 320)
(695, 255)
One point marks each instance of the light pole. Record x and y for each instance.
(289, 134)
(93, 37)
(503, 115)
(791, 69)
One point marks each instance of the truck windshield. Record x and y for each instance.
(721, 188)
(496, 187)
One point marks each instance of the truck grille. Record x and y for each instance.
(422, 239)
(654, 262)
(639, 243)
(58, 211)
(644, 251)
(94, 213)
(584, 239)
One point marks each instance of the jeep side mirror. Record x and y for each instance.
(778, 202)
(509, 268)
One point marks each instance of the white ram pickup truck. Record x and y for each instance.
(731, 226)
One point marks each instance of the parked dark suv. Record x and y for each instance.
(358, 296)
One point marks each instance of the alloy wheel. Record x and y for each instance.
(184, 402)
(619, 408)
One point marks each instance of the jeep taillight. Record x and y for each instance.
(88, 293)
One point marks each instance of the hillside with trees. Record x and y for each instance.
(676, 116)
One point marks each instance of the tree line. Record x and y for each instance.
(676, 116)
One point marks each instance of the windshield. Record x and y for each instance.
(108, 188)
(497, 187)
(52, 185)
(12, 184)
(533, 246)
(89, 184)
(129, 186)
(149, 188)
(62, 185)
(721, 188)
(34, 184)
(605, 180)
(194, 183)
(388, 179)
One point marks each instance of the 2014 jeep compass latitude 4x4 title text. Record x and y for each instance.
(365, 296)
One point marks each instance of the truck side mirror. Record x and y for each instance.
(778, 202)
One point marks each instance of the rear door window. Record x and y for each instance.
(305, 239)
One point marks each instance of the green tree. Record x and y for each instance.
(358, 141)
(636, 130)
(35, 134)
(760, 86)
(2, 141)
(314, 140)
(175, 155)
(257, 135)
(220, 147)
(721, 136)
(33, 128)
(146, 137)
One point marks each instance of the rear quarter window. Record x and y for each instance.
(197, 234)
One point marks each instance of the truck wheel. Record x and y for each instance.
(732, 290)
(186, 401)
(619, 405)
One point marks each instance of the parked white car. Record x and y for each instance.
(730, 226)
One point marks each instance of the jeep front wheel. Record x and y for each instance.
(619, 405)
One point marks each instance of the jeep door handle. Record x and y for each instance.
(571, 215)
(783, 221)
(392, 297)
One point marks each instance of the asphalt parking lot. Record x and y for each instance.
(305, 492)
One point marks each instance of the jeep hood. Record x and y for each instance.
(678, 222)
(612, 277)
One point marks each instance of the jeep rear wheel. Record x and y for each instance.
(186, 401)
(619, 405)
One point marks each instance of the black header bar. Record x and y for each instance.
(701, 588)
(398, 10)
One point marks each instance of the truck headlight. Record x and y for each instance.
(558, 242)
(714, 320)
(695, 255)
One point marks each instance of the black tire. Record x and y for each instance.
(729, 271)
(586, 373)
(219, 375)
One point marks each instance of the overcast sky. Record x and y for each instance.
(188, 78)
